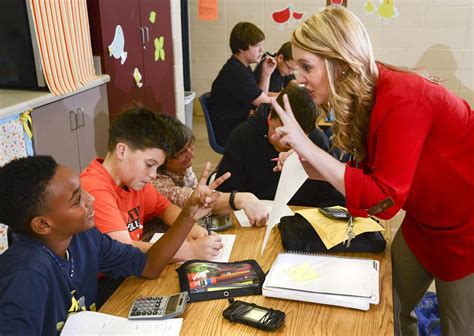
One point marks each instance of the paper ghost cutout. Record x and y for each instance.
(117, 45)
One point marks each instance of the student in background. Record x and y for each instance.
(250, 152)
(235, 92)
(176, 179)
(412, 141)
(50, 271)
(283, 73)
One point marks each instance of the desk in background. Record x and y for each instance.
(205, 318)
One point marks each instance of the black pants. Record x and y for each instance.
(106, 286)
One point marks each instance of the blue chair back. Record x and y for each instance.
(204, 100)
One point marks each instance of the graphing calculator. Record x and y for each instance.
(158, 307)
(335, 212)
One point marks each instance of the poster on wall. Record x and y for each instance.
(336, 2)
(207, 10)
(385, 10)
(287, 16)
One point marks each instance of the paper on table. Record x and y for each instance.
(224, 254)
(334, 231)
(93, 323)
(244, 221)
(292, 177)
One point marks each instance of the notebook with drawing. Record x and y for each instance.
(326, 279)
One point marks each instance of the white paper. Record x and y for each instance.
(224, 254)
(93, 323)
(292, 178)
(245, 222)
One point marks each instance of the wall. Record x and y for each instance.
(435, 34)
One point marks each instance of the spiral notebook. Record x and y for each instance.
(326, 279)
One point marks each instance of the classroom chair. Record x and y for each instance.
(204, 99)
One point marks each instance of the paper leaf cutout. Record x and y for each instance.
(152, 17)
(159, 50)
(138, 77)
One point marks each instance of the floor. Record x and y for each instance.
(205, 153)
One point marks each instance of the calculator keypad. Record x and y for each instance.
(144, 306)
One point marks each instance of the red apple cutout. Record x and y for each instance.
(281, 16)
(297, 15)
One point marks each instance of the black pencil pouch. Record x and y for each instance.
(209, 280)
(297, 234)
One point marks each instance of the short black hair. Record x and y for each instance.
(180, 133)
(243, 35)
(302, 105)
(140, 129)
(23, 190)
(285, 51)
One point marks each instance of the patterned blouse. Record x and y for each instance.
(176, 188)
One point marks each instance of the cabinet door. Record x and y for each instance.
(125, 42)
(158, 76)
(54, 132)
(93, 124)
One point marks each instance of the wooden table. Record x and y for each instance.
(205, 318)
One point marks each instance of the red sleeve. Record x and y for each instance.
(154, 203)
(396, 138)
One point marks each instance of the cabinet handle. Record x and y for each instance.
(80, 113)
(72, 120)
(147, 34)
(142, 33)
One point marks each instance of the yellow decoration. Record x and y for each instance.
(369, 7)
(159, 48)
(27, 123)
(152, 16)
(387, 9)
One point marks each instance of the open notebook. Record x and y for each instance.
(326, 279)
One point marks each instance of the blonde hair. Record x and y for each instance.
(337, 35)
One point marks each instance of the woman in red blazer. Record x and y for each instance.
(412, 141)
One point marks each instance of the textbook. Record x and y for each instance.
(325, 279)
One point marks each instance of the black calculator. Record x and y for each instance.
(158, 307)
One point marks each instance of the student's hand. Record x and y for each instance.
(290, 134)
(207, 247)
(204, 197)
(281, 160)
(254, 208)
(268, 65)
(197, 232)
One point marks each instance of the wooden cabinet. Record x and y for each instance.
(73, 130)
(141, 30)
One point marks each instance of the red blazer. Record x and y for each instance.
(420, 152)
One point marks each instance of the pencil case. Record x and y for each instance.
(298, 235)
(208, 280)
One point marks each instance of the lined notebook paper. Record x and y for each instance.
(93, 323)
(340, 281)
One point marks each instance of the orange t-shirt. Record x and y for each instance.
(118, 209)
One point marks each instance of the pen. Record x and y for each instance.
(274, 159)
(216, 279)
(208, 221)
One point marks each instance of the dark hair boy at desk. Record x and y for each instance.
(176, 179)
(283, 73)
(139, 144)
(249, 155)
(50, 271)
(235, 92)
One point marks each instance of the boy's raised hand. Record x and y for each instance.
(204, 197)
